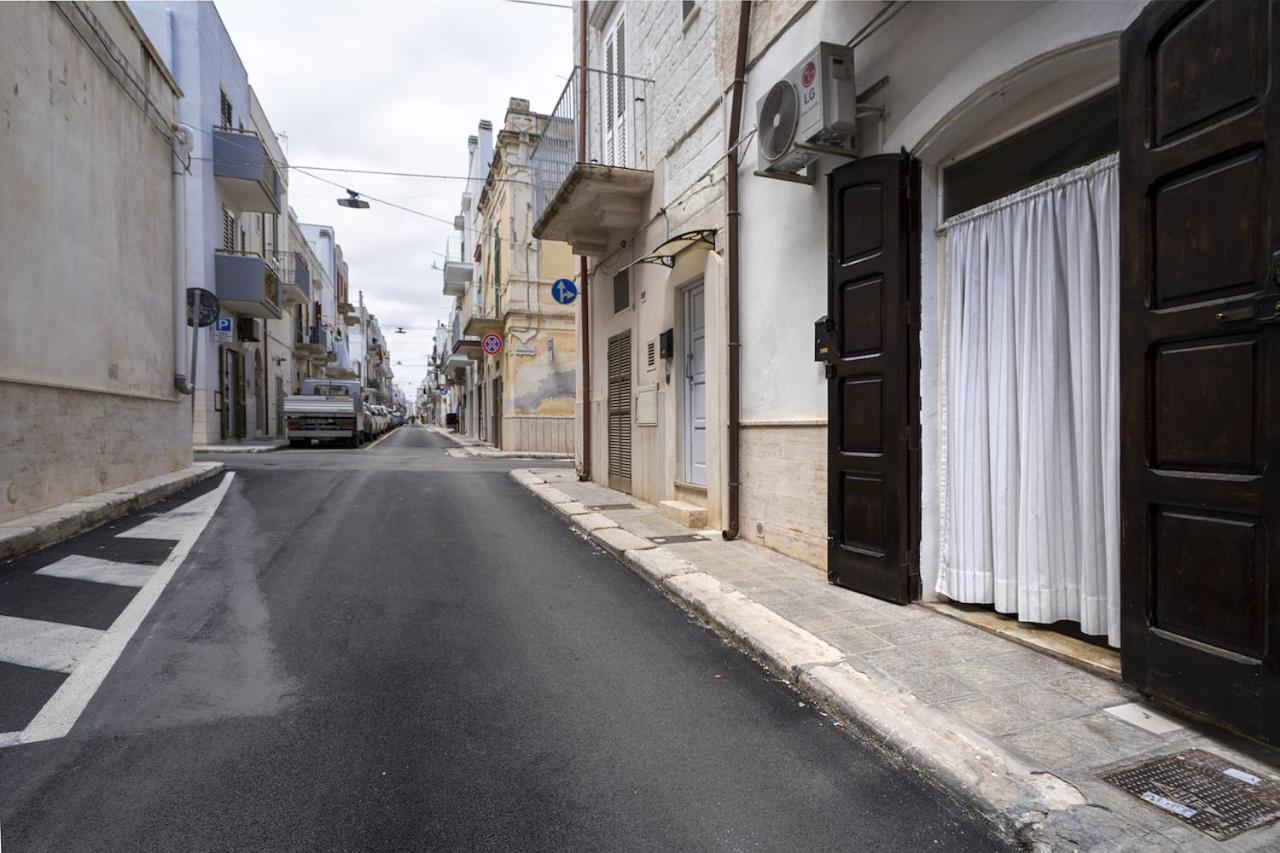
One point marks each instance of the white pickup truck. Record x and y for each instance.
(326, 409)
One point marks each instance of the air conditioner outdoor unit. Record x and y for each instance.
(807, 113)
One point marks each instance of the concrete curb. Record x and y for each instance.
(42, 529)
(486, 452)
(1031, 806)
(237, 448)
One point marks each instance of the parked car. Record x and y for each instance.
(327, 410)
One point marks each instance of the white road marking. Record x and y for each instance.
(45, 645)
(174, 523)
(62, 710)
(81, 568)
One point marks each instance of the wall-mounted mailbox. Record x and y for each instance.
(824, 340)
(667, 344)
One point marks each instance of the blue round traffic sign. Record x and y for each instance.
(564, 291)
(492, 344)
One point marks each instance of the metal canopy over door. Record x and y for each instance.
(695, 386)
(1200, 359)
(620, 412)
(872, 485)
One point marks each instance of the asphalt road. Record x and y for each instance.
(393, 649)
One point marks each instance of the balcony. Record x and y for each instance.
(295, 279)
(584, 200)
(312, 343)
(244, 172)
(457, 275)
(247, 284)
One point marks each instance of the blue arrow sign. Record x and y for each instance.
(564, 291)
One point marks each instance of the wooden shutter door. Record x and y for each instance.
(873, 407)
(1200, 359)
(620, 412)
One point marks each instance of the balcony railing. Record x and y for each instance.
(617, 130)
(295, 276)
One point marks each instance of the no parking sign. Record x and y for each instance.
(492, 344)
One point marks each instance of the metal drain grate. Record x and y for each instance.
(678, 539)
(605, 507)
(1203, 790)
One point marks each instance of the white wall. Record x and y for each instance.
(86, 263)
(952, 68)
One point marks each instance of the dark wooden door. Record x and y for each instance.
(239, 408)
(873, 404)
(1200, 359)
(620, 412)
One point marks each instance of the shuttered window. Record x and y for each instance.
(228, 231)
(225, 109)
(622, 291)
(620, 412)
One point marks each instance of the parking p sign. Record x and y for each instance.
(224, 331)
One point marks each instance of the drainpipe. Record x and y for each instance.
(585, 473)
(181, 156)
(734, 216)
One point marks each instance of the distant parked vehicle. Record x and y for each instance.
(325, 409)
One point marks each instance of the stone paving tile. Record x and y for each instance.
(1030, 665)
(983, 676)
(818, 620)
(935, 685)
(1092, 690)
(1114, 739)
(1014, 710)
(916, 630)
(646, 522)
(853, 640)
(1053, 747)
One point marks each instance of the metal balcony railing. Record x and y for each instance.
(617, 125)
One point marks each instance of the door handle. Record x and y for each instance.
(1263, 310)
(688, 366)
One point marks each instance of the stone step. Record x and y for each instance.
(683, 512)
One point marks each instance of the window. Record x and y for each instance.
(622, 290)
(1079, 134)
(225, 105)
(228, 231)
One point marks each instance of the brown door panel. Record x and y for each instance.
(1200, 359)
(872, 490)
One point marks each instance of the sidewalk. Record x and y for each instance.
(39, 530)
(1021, 737)
(241, 447)
(468, 446)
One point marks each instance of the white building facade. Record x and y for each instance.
(968, 358)
(235, 201)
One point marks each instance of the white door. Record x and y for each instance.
(695, 386)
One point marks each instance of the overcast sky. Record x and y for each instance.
(395, 87)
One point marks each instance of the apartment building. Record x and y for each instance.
(235, 195)
(929, 339)
(526, 381)
(93, 359)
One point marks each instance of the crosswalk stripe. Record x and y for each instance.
(82, 568)
(175, 523)
(45, 645)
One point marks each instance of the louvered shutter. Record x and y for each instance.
(619, 404)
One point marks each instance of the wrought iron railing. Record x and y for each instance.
(617, 131)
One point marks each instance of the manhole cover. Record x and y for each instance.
(678, 539)
(1204, 790)
(603, 507)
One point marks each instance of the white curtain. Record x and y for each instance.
(1031, 479)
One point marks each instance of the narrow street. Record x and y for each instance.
(394, 649)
